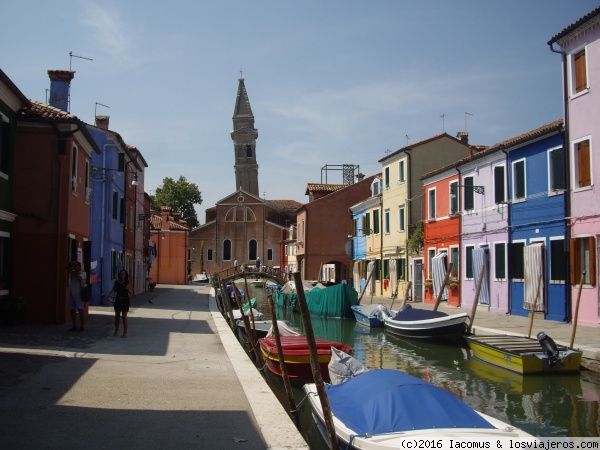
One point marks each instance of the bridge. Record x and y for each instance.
(235, 273)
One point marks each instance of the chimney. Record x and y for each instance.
(102, 122)
(165, 212)
(60, 86)
(360, 176)
(176, 216)
(463, 137)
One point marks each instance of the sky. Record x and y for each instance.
(330, 82)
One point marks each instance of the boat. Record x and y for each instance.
(371, 315)
(200, 278)
(426, 324)
(297, 356)
(385, 408)
(333, 301)
(262, 328)
(525, 355)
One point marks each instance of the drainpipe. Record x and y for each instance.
(509, 228)
(460, 244)
(567, 198)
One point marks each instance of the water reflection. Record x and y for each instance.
(543, 405)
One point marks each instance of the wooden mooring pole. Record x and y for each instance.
(314, 362)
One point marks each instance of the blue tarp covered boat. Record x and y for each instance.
(380, 408)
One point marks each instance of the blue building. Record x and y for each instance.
(109, 208)
(537, 214)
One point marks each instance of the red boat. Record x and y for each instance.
(297, 357)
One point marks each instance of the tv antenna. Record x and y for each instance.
(71, 56)
(96, 108)
(407, 139)
(467, 114)
(443, 116)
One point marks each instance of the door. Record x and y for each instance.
(418, 281)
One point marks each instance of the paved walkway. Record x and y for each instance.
(587, 339)
(180, 380)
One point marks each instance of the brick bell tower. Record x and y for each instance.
(244, 137)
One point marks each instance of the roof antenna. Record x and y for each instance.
(443, 116)
(71, 55)
(407, 139)
(467, 114)
(96, 109)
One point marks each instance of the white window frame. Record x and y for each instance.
(575, 166)
(571, 72)
(386, 221)
(502, 243)
(401, 218)
(450, 200)
(504, 194)
(431, 213)
(514, 180)
(402, 171)
(550, 171)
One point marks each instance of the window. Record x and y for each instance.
(74, 169)
(558, 268)
(226, 250)
(500, 260)
(582, 164)
(376, 221)
(431, 204)
(115, 205)
(454, 253)
(469, 261)
(386, 269)
(375, 187)
(516, 256)
(579, 81)
(209, 254)
(518, 175)
(367, 229)
(114, 265)
(556, 169)
(453, 198)
(269, 254)
(499, 184)
(123, 211)
(88, 192)
(430, 256)
(583, 260)
(401, 176)
(387, 177)
(469, 193)
(386, 221)
(401, 268)
(401, 218)
(248, 151)
(4, 145)
(252, 250)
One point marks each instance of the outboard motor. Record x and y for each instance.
(549, 347)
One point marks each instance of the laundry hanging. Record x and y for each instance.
(356, 275)
(481, 258)
(371, 283)
(393, 276)
(438, 275)
(533, 298)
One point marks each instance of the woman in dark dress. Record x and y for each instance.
(121, 287)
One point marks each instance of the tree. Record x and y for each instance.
(181, 196)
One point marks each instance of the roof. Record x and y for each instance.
(320, 187)
(418, 144)
(285, 204)
(549, 128)
(591, 17)
(242, 103)
(40, 112)
(156, 222)
(8, 82)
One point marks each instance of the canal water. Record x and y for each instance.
(542, 405)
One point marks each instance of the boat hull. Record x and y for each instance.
(448, 326)
(363, 319)
(296, 356)
(522, 355)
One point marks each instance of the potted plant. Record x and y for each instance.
(428, 284)
(452, 283)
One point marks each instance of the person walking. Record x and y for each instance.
(258, 264)
(77, 278)
(122, 290)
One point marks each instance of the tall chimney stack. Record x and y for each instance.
(60, 86)
(463, 137)
(102, 122)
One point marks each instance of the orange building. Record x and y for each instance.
(169, 236)
(442, 231)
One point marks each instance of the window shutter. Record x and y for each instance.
(583, 163)
(368, 224)
(574, 260)
(121, 167)
(499, 184)
(469, 194)
(557, 159)
(592, 247)
(580, 71)
(519, 179)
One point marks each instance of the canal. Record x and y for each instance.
(542, 405)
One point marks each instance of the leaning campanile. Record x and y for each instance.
(244, 137)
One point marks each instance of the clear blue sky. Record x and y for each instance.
(330, 82)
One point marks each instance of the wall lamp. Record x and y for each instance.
(135, 181)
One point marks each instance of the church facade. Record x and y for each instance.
(242, 227)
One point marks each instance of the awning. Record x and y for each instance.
(438, 275)
(533, 298)
(481, 258)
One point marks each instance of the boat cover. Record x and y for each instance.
(409, 314)
(377, 310)
(343, 367)
(333, 301)
(386, 401)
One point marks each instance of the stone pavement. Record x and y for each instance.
(179, 380)
(587, 339)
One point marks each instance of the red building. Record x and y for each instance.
(324, 225)
(442, 231)
(52, 179)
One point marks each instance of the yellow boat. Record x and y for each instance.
(525, 355)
